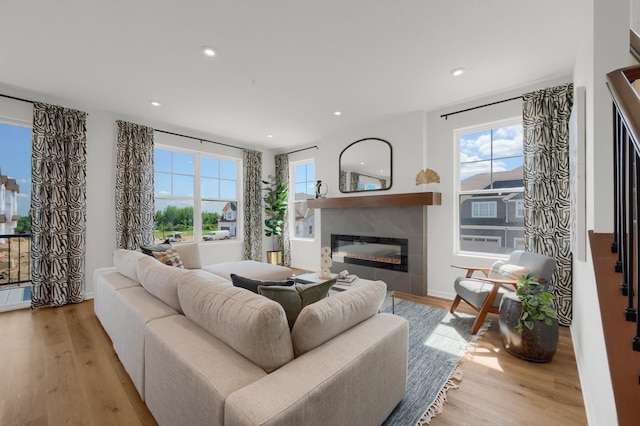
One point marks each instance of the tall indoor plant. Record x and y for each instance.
(528, 321)
(275, 208)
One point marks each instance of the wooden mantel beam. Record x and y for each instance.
(389, 200)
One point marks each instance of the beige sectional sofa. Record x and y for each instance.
(201, 351)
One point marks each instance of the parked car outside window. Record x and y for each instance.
(216, 235)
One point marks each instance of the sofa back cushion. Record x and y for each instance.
(126, 262)
(252, 325)
(327, 318)
(161, 280)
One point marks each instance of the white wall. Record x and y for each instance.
(605, 48)
(101, 154)
(442, 158)
(405, 133)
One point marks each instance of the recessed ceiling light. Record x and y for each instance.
(207, 50)
(362, 163)
(269, 135)
(155, 103)
(457, 72)
(337, 113)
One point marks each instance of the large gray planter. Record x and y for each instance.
(538, 344)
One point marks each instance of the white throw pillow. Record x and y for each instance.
(505, 271)
(190, 255)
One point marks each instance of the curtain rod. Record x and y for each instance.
(445, 116)
(301, 149)
(17, 99)
(197, 139)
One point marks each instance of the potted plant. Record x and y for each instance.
(275, 207)
(528, 321)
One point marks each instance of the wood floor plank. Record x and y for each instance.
(60, 368)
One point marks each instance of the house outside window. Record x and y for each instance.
(196, 196)
(302, 176)
(490, 187)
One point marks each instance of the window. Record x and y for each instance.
(195, 196)
(15, 183)
(484, 209)
(490, 191)
(303, 184)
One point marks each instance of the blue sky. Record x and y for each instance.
(174, 174)
(476, 150)
(15, 161)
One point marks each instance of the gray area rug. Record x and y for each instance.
(437, 342)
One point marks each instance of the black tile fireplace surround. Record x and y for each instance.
(376, 252)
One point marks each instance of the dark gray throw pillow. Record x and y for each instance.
(149, 250)
(252, 285)
(293, 299)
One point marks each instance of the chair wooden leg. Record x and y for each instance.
(484, 309)
(478, 322)
(455, 303)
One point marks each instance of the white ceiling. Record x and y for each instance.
(282, 66)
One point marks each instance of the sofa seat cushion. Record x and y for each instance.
(134, 307)
(323, 320)
(189, 373)
(253, 325)
(106, 282)
(126, 262)
(250, 269)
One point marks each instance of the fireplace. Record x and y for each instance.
(376, 252)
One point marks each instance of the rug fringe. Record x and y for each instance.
(438, 405)
(452, 383)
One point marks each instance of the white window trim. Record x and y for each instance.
(292, 216)
(197, 219)
(457, 133)
(517, 209)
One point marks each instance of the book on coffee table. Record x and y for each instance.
(348, 280)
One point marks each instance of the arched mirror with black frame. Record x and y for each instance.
(366, 165)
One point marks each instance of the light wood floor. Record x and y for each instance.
(500, 389)
(57, 366)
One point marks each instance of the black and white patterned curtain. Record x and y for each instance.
(546, 186)
(284, 241)
(58, 205)
(355, 180)
(342, 184)
(135, 212)
(252, 199)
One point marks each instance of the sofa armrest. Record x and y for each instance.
(355, 378)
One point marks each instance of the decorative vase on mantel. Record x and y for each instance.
(538, 344)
